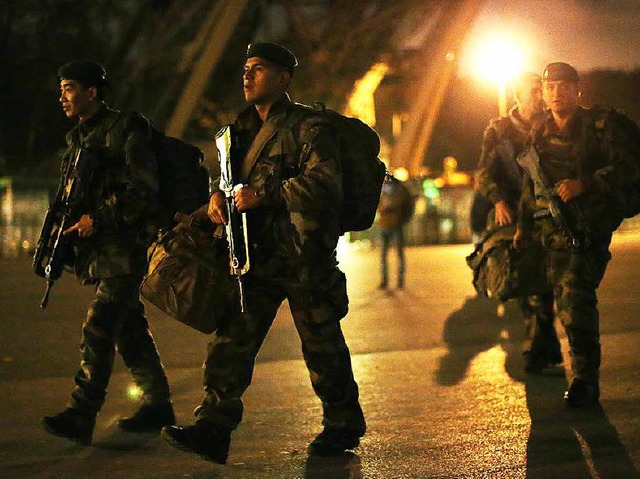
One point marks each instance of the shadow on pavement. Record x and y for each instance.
(123, 441)
(345, 466)
(571, 443)
(480, 324)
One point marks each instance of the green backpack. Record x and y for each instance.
(363, 174)
(628, 198)
(500, 272)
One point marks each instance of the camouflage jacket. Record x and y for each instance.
(297, 220)
(121, 196)
(499, 178)
(595, 148)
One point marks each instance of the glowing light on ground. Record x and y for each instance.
(134, 392)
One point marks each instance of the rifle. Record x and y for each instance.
(54, 249)
(236, 227)
(567, 217)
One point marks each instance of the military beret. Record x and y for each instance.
(87, 72)
(559, 71)
(274, 53)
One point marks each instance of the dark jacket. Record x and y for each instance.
(595, 148)
(297, 220)
(122, 195)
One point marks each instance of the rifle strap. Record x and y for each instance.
(268, 130)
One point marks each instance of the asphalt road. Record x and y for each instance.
(440, 375)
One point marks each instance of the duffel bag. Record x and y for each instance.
(188, 276)
(502, 272)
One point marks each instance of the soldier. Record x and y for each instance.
(291, 201)
(589, 157)
(499, 179)
(110, 252)
(394, 210)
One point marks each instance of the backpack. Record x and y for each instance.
(628, 198)
(183, 179)
(363, 174)
(501, 272)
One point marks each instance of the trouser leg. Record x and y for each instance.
(384, 267)
(140, 355)
(228, 368)
(97, 351)
(115, 297)
(317, 318)
(576, 299)
(401, 261)
(541, 338)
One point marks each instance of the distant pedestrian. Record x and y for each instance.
(394, 211)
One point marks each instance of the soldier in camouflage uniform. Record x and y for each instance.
(590, 157)
(110, 252)
(292, 203)
(499, 179)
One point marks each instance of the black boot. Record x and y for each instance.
(582, 393)
(204, 438)
(149, 418)
(332, 442)
(72, 424)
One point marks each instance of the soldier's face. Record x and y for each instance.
(560, 96)
(263, 82)
(77, 100)
(529, 97)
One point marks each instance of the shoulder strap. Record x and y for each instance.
(287, 141)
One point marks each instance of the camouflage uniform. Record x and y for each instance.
(122, 192)
(499, 178)
(293, 236)
(595, 149)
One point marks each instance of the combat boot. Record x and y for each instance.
(209, 441)
(149, 418)
(72, 424)
(582, 393)
(332, 441)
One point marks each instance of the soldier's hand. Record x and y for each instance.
(84, 227)
(247, 198)
(503, 214)
(569, 189)
(217, 210)
(520, 240)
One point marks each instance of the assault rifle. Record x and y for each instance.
(54, 249)
(236, 227)
(568, 216)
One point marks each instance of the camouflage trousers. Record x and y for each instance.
(116, 320)
(316, 309)
(575, 276)
(541, 338)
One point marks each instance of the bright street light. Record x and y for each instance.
(498, 57)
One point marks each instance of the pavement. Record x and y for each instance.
(440, 374)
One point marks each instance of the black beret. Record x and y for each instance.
(87, 72)
(559, 71)
(274, 53)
